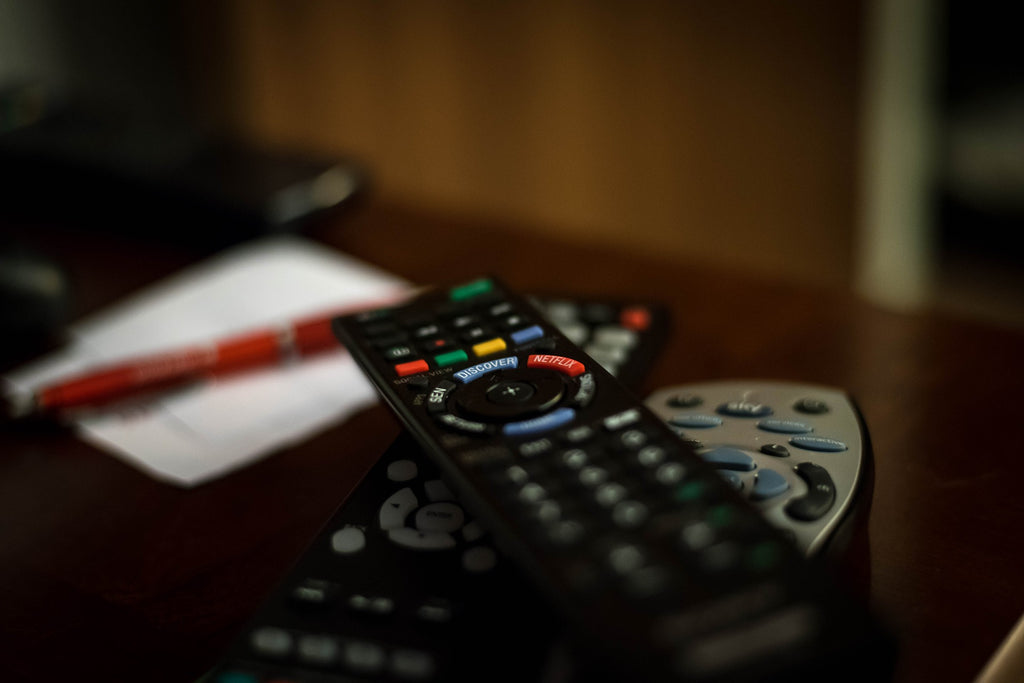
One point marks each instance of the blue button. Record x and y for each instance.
(818, 443)
(471, 373)
(729, 459)
(785, 426)
(527, 334)
(697, 421)
(556, 418)
(769, 484)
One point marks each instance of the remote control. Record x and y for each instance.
(400, 585)
(378, 595)
(797, 452)
(660, 568)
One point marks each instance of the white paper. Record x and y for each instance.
(203, 431)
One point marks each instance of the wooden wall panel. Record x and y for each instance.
(723, 131)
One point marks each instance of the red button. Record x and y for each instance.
(411, 368)
(636, 318)
(564, 365)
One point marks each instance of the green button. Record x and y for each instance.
(764, 556)
(721, 516)
(471, 289)
(450, 358)
(690, 491)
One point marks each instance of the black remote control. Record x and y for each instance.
(401, 584)
(660, 568)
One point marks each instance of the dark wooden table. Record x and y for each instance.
(108, 575)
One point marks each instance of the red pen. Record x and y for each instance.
(245, 351)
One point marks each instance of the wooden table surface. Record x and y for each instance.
(108, 575)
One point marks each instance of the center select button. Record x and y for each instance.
(473, 372)
(510, 392)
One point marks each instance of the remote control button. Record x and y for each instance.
(426, 331)
(411, 665)
(527, 334)
(271, 642)
(461, 424)
(531, 449)
(348, 541)
(411, 368)
(785, 426)
(314, 593)
(729, 459)
(821, 493)
(552, 420)
(363, 657)
(635, 318)
(459, 322)
(818, 443)
(651, 456)
(477, 371)
(744, 409)
(776, 450)
(585, 391)
(318, 650)
(615, 337)
(695, 421)
(437, 401)
(451, 358)
(421, 540)
(566, 366)
(472, 335)
(621, 420)
(436, 610)
(768, 484)
(685, 401)
(732, 478)
(629, 514)
(500, 309)
(811, 406)
(446, 517)
(470, 290)
(402, 470)
(510, 392)
(395, 509)
(489, 347)
(578, 435)
(371, 604)
(400, 352)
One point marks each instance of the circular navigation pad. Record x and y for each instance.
(510, 394)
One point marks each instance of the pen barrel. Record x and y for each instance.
(120, 380)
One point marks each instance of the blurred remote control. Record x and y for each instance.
(597, 500)
(797, 452)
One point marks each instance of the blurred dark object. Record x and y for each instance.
(35, 301)
(99, 171)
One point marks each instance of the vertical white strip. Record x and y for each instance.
(894, 258)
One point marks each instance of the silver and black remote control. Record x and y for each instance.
(797, 452)
(660, 567)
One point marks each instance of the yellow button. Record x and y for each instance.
(488, 347)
